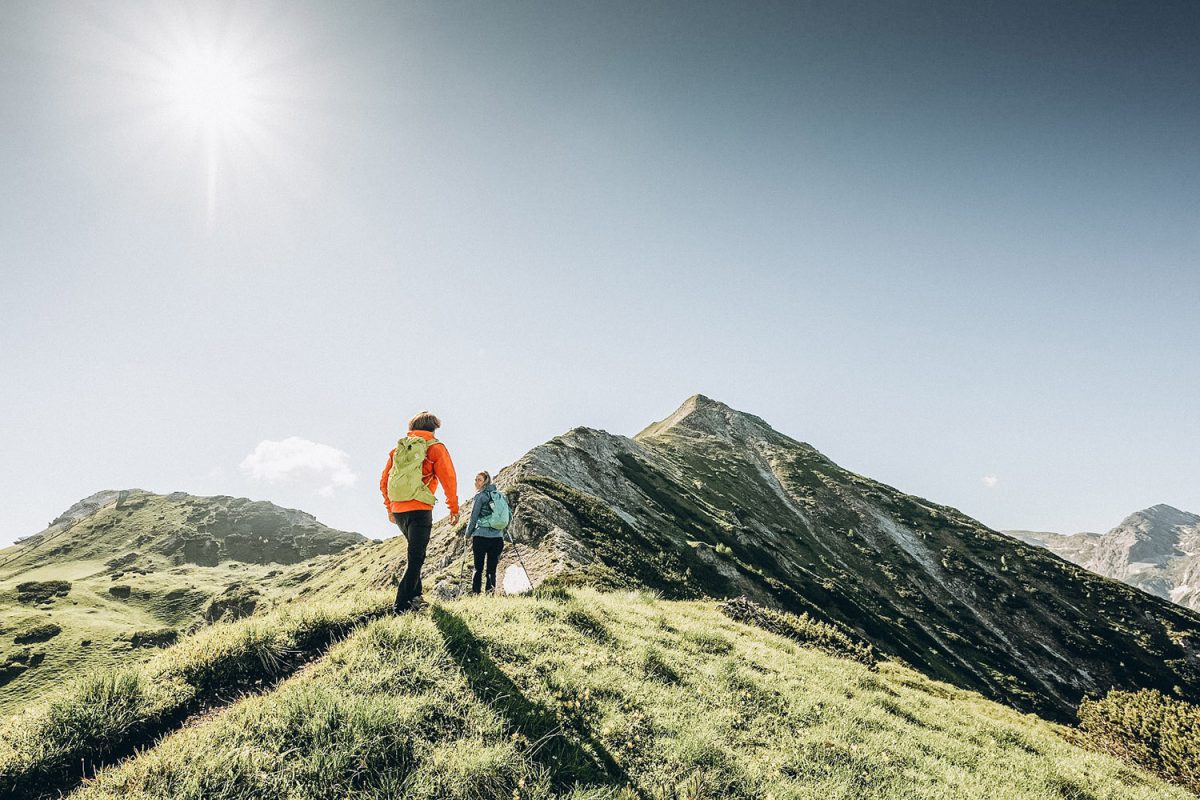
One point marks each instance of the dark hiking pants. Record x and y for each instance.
(485, 548)
(416, 526)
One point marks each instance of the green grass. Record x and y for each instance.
(106, 714)
(97, 627)
(583, 694)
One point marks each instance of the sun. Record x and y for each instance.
(218, 94)
(209, 90)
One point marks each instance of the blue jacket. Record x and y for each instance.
(481, 500)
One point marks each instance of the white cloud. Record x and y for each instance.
(990, 481)
(297, 459)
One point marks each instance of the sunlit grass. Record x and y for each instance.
(106, 714)
(590, 695)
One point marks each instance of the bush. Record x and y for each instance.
(38, 633)
(236, 602)
(42, 591)
(1149, 729)
(154, 637)
(801, 628)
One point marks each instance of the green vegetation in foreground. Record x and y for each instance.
(103, 620)
(1148, 728)
(109, 713)
(591, 695)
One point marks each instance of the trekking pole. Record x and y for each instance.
(462, 571)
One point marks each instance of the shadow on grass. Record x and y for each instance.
(569, 762)
(90, 749)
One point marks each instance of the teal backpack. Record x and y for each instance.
(500, 515)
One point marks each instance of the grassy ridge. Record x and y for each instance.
(590, 695)
(109, 713)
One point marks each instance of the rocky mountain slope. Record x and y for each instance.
(1156, 549)
(1074, 547)
(123, 572)
(714, 502)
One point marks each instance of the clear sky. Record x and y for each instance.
(955, 246)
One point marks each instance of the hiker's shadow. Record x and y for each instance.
(569, 762)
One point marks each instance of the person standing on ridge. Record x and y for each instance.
(489, 516)
(411, 476)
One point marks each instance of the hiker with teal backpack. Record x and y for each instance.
(490, 515)
(408, 482)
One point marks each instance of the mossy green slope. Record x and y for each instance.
(133, 570)
(611, 695)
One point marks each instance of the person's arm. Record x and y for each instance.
(476, 507)
(383, 482)
(443, 470)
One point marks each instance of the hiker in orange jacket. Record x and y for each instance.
(409, 497)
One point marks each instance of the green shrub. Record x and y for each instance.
(153, 637)
(1149, 729)
(42, 591)
(38, 633)
(801, 628)
(551, 589)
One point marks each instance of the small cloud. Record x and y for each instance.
(294, 459)
(990, 481)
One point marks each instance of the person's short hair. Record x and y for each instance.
(424, 421)
(487, 476)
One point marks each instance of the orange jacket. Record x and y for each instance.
(437, 467)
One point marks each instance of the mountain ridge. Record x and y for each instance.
(816, 546)
(1156, 549)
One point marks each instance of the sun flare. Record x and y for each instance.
(213, 92)
(209, 90)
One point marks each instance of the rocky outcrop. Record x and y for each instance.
(1156, 549)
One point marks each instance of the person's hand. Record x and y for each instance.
(392, 517)
(454, 518)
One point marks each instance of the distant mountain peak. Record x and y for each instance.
(168, 530)
(1156, 549)
(702, 416)
(1165, 514)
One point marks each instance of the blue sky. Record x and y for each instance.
(954, 246)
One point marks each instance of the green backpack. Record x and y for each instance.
(498, 517)
(405, 480)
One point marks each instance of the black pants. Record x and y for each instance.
(485, 547)
(416, 526)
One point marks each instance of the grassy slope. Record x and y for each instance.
(173, 598)
(104, 715)
(165, 589)
(525, 698)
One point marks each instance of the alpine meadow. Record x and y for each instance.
(352, 442)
